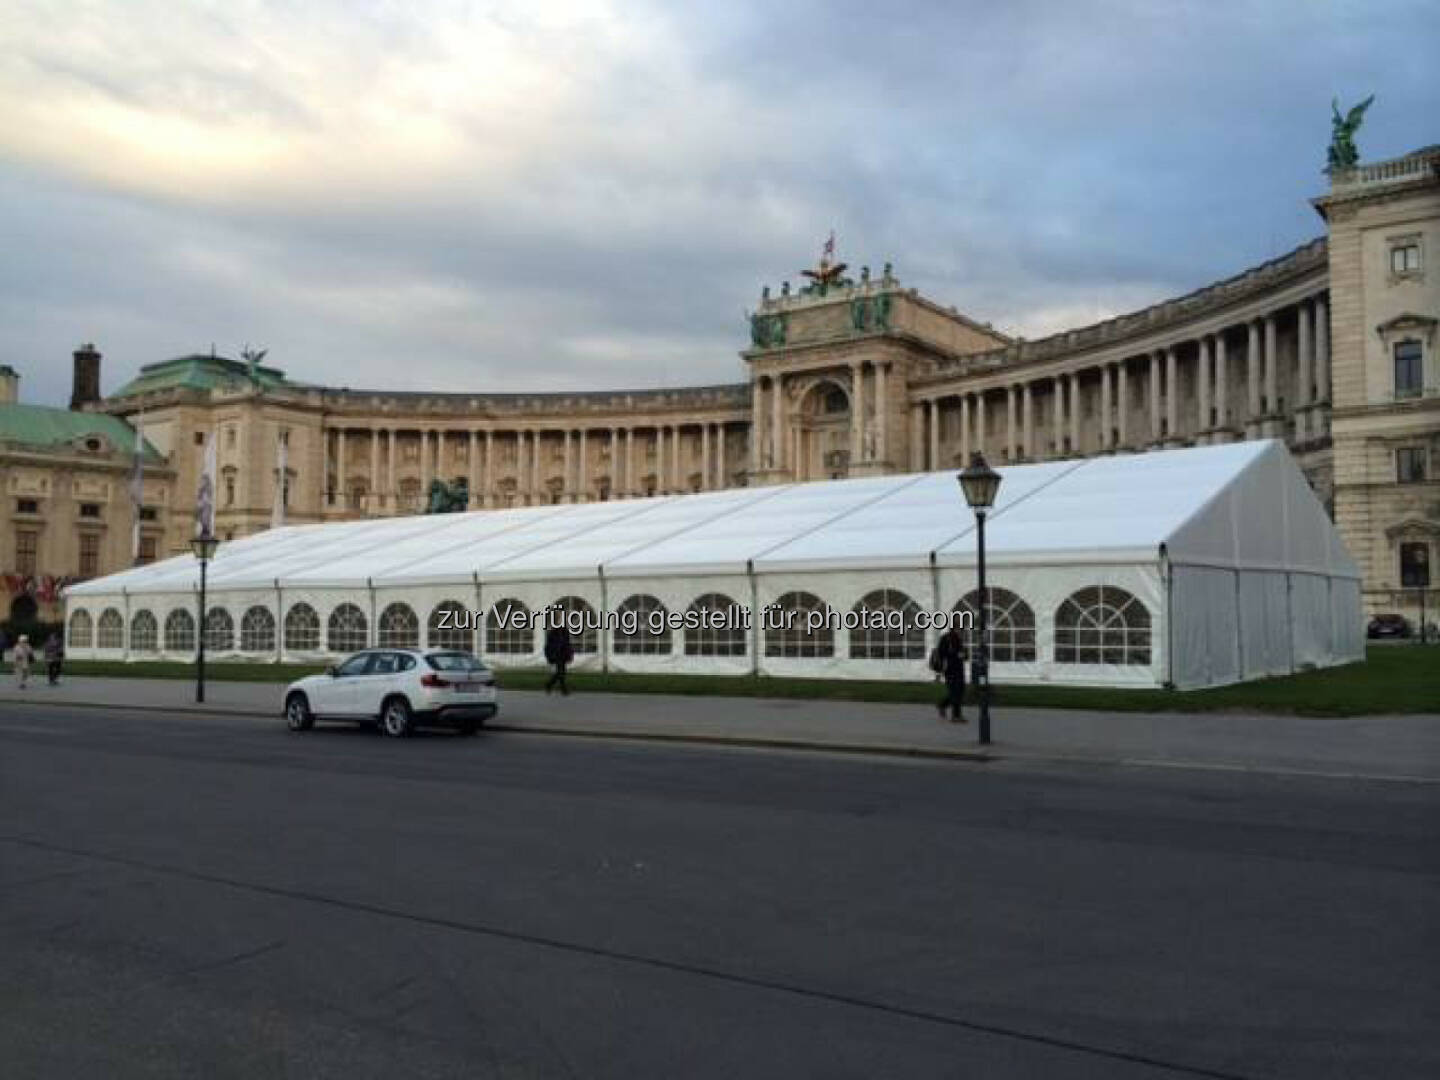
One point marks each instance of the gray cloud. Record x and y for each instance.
(579, 196)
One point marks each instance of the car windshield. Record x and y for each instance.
(454, 661)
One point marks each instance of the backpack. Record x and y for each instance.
(937, 662)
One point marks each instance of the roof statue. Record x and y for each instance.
(1343, 153)
(828, 273)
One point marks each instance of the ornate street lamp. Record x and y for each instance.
(204, 547)
(980, 483)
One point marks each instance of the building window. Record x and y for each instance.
(27, 506)
(110, 632)
(1102, 625)
(643, 627)
(345, 632)
(230, 438)
(799, 624)
(1415, 566)
(229, 490)
(89, 554)
(179, 631)
(147, 551)
(1410, 464)
(399, 628)
(144, 633)
(721, 627)
(1405, 258)
(1010, 623)
(27, 547)
(449, 627)
(90, 510)
(257, 630)
(887, 628)
(147, 513)
(302, 629)
(1408, 381)
(508, 628)
(199, 438)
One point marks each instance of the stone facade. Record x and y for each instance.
(863, 376)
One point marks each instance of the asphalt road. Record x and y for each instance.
(217, 897)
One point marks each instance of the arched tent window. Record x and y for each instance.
(82, 629)
(1011, 625)
(257, 630)
(1102, 625)
(799, 624)
(302, 628)
(508, 628)
(582, 622)
(887, 627)
(722, 627)
(641, 628)
(399, 627)
(179, 631)
(144, 633)
(110, 632)
(219, 630)
(345, 629)
(449, 627)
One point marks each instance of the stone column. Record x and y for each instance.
(1222, 382)
(1010, 427)
(617, 484)
(1322, 355)
(1106, 405)
(1252, 378)
(374, 471)
(1304, 375)
(629, 469)
(475, 496)
(967, 443)
(1057, 406)
(1075, 413)
(487, 496)
(537, 469)
(521, 489)
(341, 494)
(390, 493)
(567, 493)
(880, 433)
(1272, 392)
(1155, 396)
(424, 463)
(777, 432)
(1172, 393)
(757, 423)
(1122, 410)
(857, 413)
(705, 457)
(934, 408)
(583, 481)
(1202, 391)
(721, 480)
(677, 474)
(659, 459)
(982, 442)
(1027, 411)
(917, 437)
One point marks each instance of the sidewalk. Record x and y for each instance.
(1390, 747)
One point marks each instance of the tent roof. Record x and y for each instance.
(1243, 504)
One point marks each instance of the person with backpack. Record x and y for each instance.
(558, 652)
(948, 663)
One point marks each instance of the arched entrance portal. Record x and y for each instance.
(823, 433)
(23, 608)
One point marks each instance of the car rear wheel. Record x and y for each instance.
(297, 713)
(396, 719)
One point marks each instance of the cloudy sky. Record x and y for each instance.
(589, 194)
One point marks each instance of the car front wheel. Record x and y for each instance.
(297, 713)
(396, 719)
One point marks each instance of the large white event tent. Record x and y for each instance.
(1192, 567)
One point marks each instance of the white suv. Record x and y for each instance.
(399, 688)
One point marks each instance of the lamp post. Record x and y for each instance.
(204, 547)
(980, 483)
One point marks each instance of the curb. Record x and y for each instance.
(743, 741)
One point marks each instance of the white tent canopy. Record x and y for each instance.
(1187, 567)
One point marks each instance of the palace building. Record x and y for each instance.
(1330, 348)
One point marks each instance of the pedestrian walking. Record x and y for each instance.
(948, 663)
(4, 647)
(23, 655)
(558, 652)
(54, 657)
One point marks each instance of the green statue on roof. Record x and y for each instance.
(1343, 153)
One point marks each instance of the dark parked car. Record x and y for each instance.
(1383, 626)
